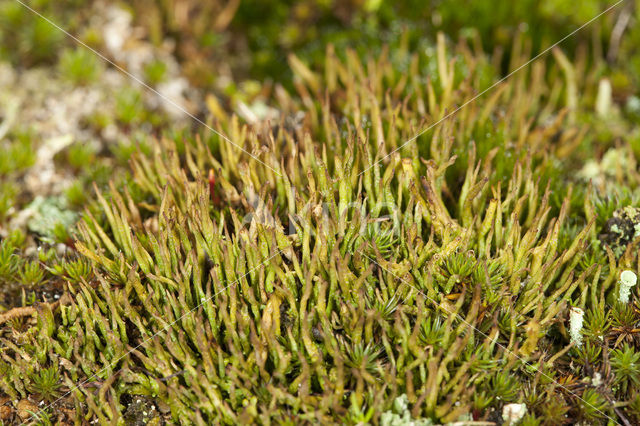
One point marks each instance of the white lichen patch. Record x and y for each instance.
(628, 279)
(604, 99)
(576, 318)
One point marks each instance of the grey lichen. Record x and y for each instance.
(622, 228)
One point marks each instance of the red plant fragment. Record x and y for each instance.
(212, 187)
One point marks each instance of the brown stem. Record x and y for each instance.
(26, 311)
(17, 313)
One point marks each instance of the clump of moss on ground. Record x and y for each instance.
(337, 269)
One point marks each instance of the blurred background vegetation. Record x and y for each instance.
(250, 39)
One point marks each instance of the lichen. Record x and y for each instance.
(622, 228)
(401, 416)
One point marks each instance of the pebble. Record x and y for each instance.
(5, 412)
(26, 409)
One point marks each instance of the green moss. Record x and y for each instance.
(342, 272)
(8, 261)
(155, 72)
(129, 106)
(20, 155)
(46, 383)
(80, 156)
(8, 194)
(340, 277)
(80, 66)
(76, 195)
(26, 39)
(624, 363)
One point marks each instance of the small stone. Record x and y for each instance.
(5, 412)
(597, 379)
(513, 413)
(26, 409)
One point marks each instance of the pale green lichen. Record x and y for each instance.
(400, 415)
(628, 280)
(48, 215)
